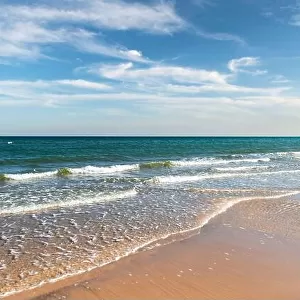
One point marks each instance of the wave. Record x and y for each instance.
(76, 171)
(179, 179)
(241, 168)
(214, 161)
(195, 162)
(296, 154)
(26, 176)
(104, 170)
(229, 159)
(235, 161)
(231, 203)
(70, 203)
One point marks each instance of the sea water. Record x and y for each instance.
(120, 194)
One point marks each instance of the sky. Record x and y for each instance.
(150, 67)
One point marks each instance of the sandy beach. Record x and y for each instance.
(241, 254)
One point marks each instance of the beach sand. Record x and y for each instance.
(249, 252)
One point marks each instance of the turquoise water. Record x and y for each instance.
(121, 194)
(25, 154)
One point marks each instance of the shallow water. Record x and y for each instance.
(122, 194)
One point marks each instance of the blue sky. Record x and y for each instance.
(185, 67)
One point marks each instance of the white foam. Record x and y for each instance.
(27, 176)
(70, 203)
(77, 171)
(178, 179)
(245, 168)
(104, 170)
(213, 161)
(229, 204)
(296, 154)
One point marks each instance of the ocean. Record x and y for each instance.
(70, 204)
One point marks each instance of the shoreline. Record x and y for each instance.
(263, 248)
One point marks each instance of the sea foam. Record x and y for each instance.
(70, 203)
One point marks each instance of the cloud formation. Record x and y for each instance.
(133, 82)
(181, 80)
(219, 36)
(244, 65)
(104, 14)
(157, 73)
(24, 29)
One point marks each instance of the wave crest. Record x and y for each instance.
(73, 171)
(71, 203)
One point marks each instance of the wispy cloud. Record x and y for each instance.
(284, 12)
(5, 62)
(243, 64)
(203, 3)
(158, 73)
(32, 90)
(25, 29)
(109, 14)
(221, 36)
(190, 102)
(225, 88)
(295, 20)
(95, 46)
(179, 80)
(80, 83)
(24, 40)
(280, 79)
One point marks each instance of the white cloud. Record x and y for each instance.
(225, 88)
(279, 79)
(142, 84)
(91, 45)
(176, 80)
(29, 32)
(80, 83)
(150, 100)
(109, 14)
(219, 36)
(33, 90)
(242, 65)
(237, 65)
(24, 40)
(25, 29)
(157, 74)
(8, 50)
(134, 53)
(169, 110)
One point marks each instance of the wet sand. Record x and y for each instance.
(249, 252)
